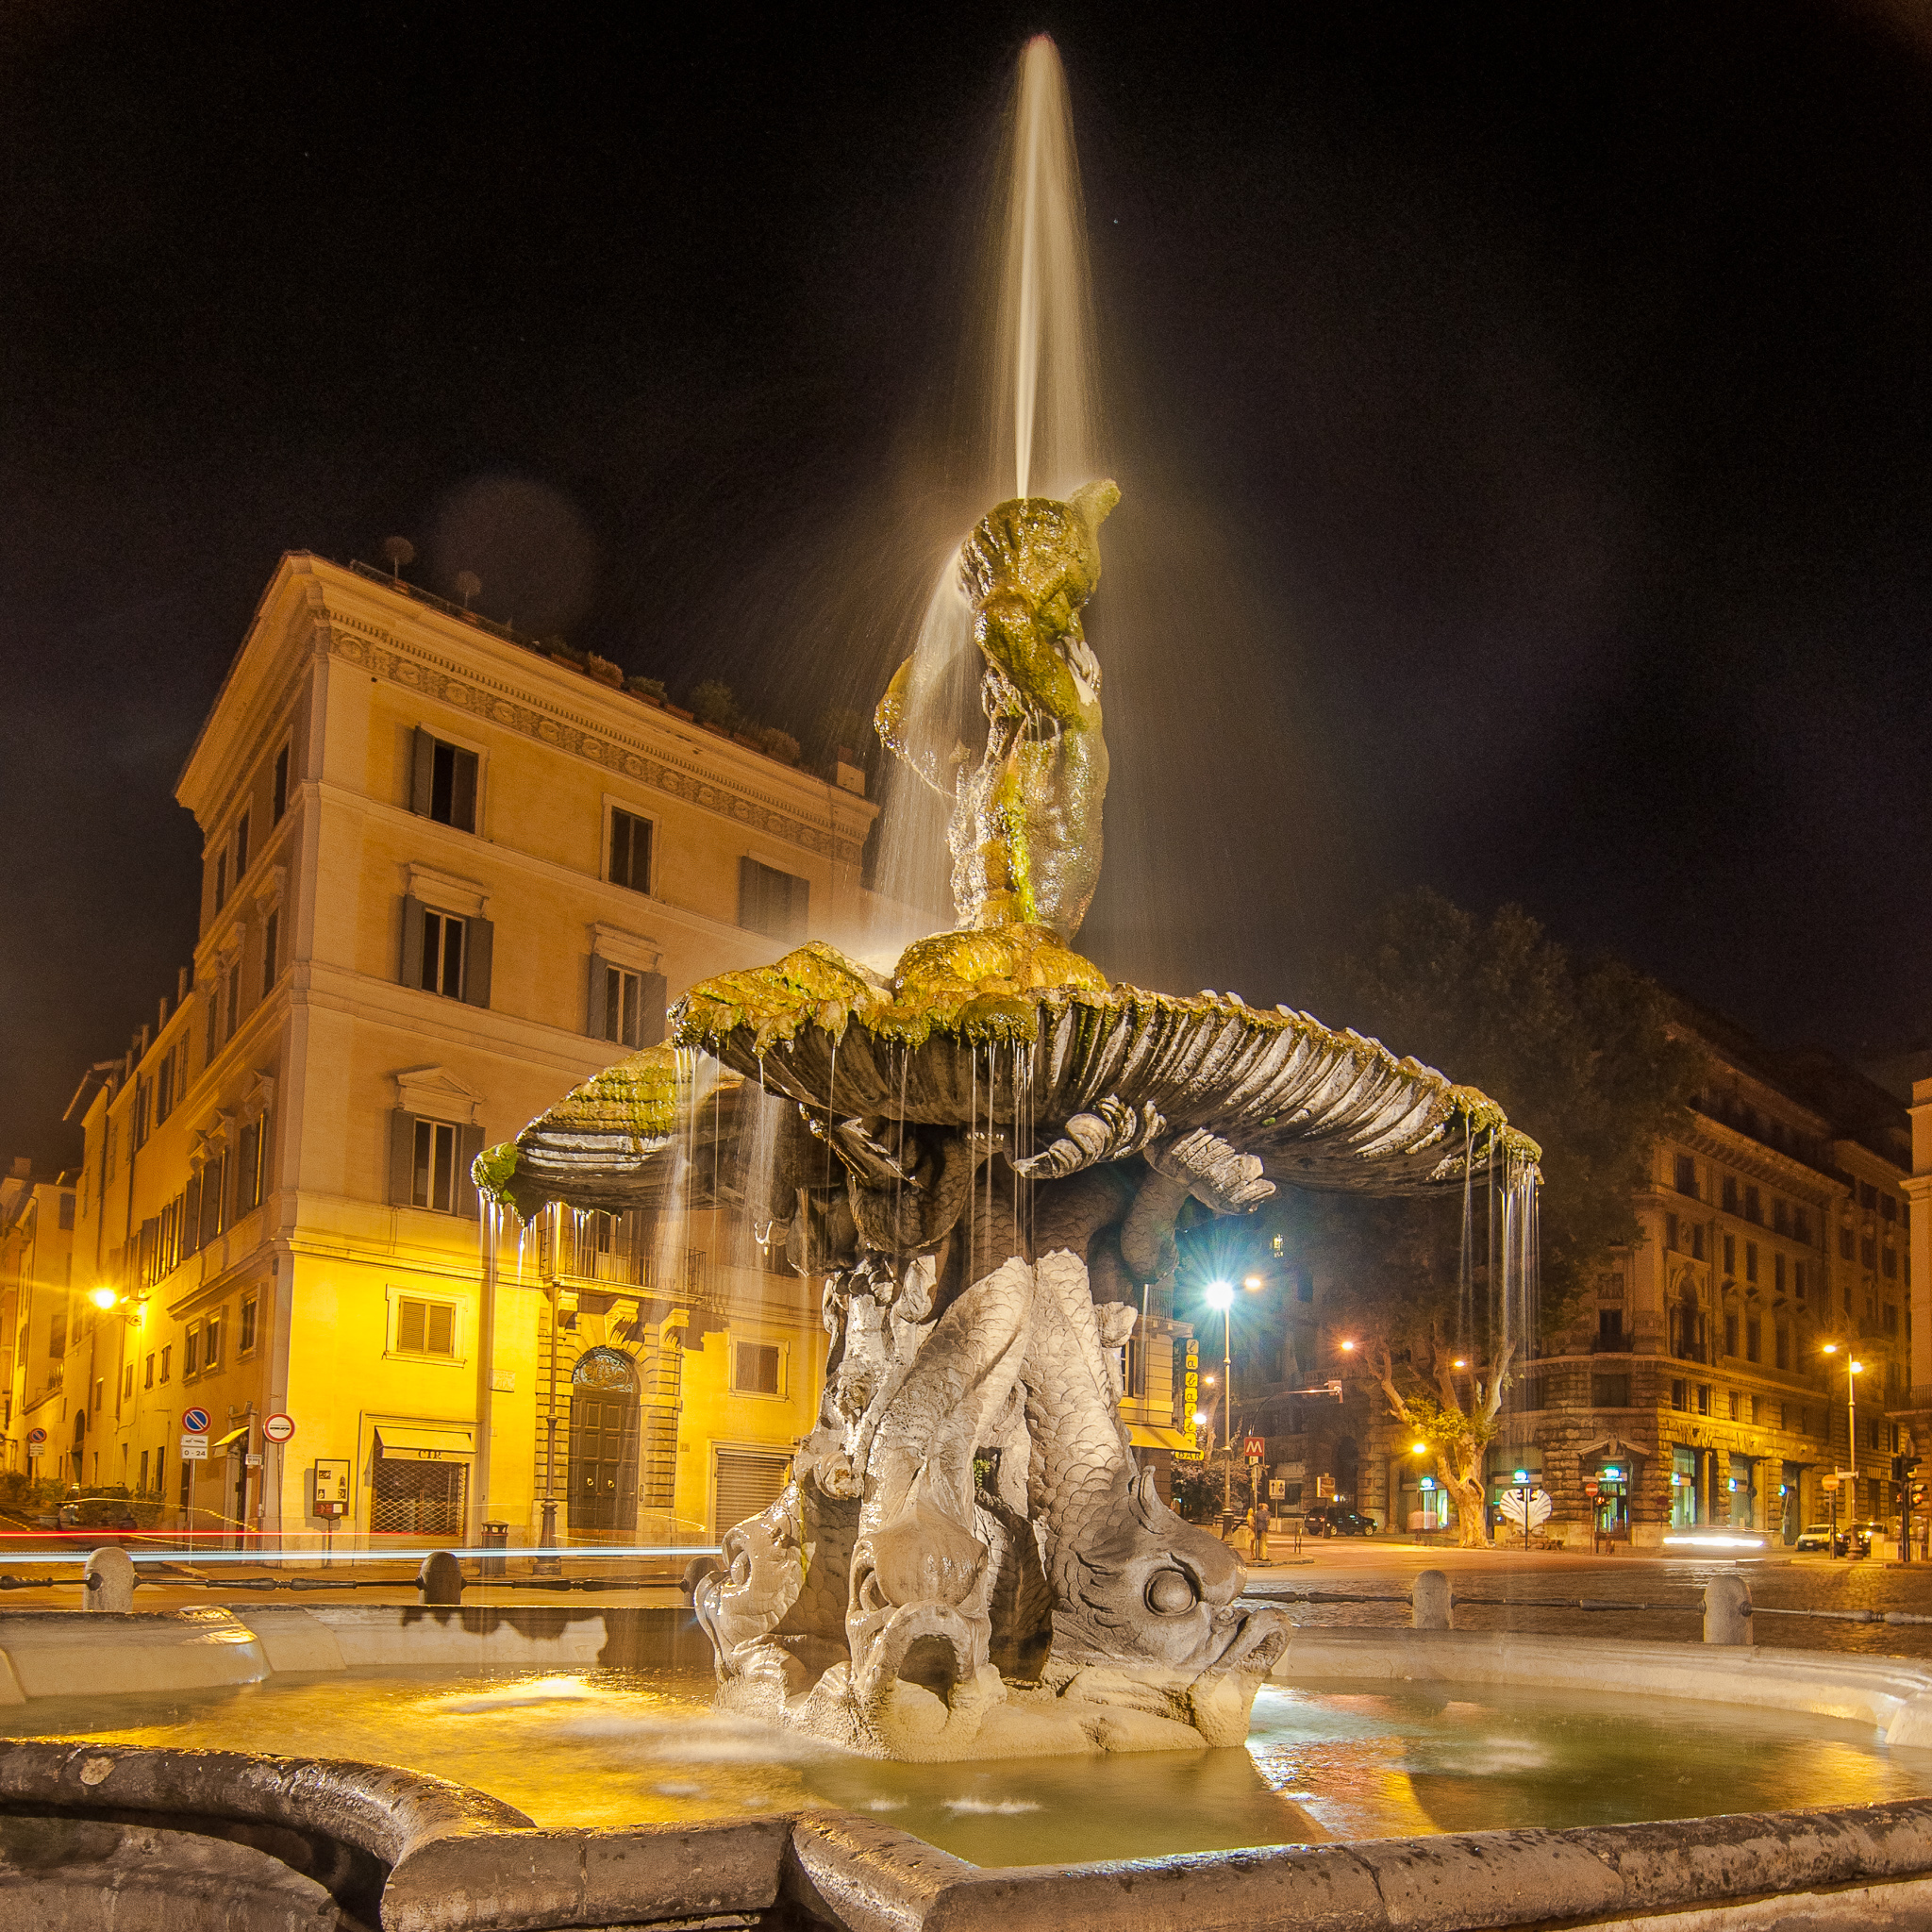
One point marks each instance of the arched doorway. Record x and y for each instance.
(604, 1444)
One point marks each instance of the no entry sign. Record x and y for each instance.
(194, 1421)
(278, 1428)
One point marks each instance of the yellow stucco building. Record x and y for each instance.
(448, 873)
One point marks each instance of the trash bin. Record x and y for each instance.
(495, 1537)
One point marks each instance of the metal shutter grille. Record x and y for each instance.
(749, 1480)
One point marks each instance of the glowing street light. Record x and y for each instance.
(104, 1298)
(1348, 1348)
(1418, 1449)
(1253, 1281)
(1852, 1371)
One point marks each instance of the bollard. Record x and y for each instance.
(495, 1537)
(1431, 1607)
(109, 1581)
(440, 1578)
(1727, 1610)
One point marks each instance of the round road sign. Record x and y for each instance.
(278, 1428)
(34, 1437)
(194, 1421)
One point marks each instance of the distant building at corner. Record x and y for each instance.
(447, 875)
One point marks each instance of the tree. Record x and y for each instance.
(1582, 1056)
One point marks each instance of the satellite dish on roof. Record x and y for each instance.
(399, 551)
(468, 583)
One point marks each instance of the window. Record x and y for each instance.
(1730, 1253)
(167, 1358)
(1868, 1197)
(1697, 1240)
(1781, 1217)
(147, 1373)
(1844, 1245)
(1753, 1340)
(1754, 1207)
(221, 878)
(271, 946)
(1784, 1346)
(1687, 1175)
(191, 1351)
(1609, 1329)
(424, 1328)
(66, 1213)
(127, 1383)
(1777, 1273)
(443, 954)
(633, 1006)
(1891, 1264)
(143, 1489)
(278, 788)
(1784, 1415)
(772, 902)
(1736, 1405)
(248, 1166)
(442, 783)
(1801, 1225)
(1756, 1410)
(754, 1368)
(434, 1182)
(1798, 1279)
(1750, 1260)
(1891, 1318)
(1704, 1398)
(211, 1343)
(1680, 1397)
(234, 1000)
(630, 851)
(249, 1305)
(1609, 1391)
(241, 847)
(1671, 1233)
(1730, 1331)
(1730, 1193)
(1533, 1393)
(1868, 1253)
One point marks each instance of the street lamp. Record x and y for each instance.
(1853, 1370)
(104, 1298)
(1220, 1295)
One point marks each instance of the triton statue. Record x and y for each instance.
(1026, 829)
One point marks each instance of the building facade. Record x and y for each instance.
(448, 873)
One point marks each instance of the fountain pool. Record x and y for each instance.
(610, 1747)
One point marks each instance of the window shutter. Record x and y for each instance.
(402, 1156)
(439, 1335)
(413, 909)
(751, 896)
(599, 1009)
(469, 1145)
(477, 939)
(797, 913)
(422, 768)
(463, 801)
(651, 1004)
(191, 1217)
(410, 1322)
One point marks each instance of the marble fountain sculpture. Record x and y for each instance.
(983, 1155)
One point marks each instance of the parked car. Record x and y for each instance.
(1815, 1536)
(1336, 1519)
(1854, 1539)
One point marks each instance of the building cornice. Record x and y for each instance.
(651, 750)
(1717, 1142)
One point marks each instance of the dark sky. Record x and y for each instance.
(1522, 416)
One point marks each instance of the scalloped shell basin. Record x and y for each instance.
(1008, 1026)
(607, 1746)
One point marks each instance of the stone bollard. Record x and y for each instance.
(440, 1578)
(108, 1581)
(1727, 1610)
(1431, 1607)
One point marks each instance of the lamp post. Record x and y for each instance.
(1220, 1296)
(1853, 1370)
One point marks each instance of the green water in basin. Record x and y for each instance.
(605, 1747)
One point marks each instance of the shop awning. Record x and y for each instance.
(1144, 1436)
(424, 1443)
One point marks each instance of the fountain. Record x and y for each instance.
(983, 1154)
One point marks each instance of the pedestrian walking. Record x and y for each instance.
(1264, 1523)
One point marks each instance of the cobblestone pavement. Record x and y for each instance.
(1664, 1593)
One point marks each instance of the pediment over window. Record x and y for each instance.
(436, 1093)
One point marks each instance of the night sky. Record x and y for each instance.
(1524, 415)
